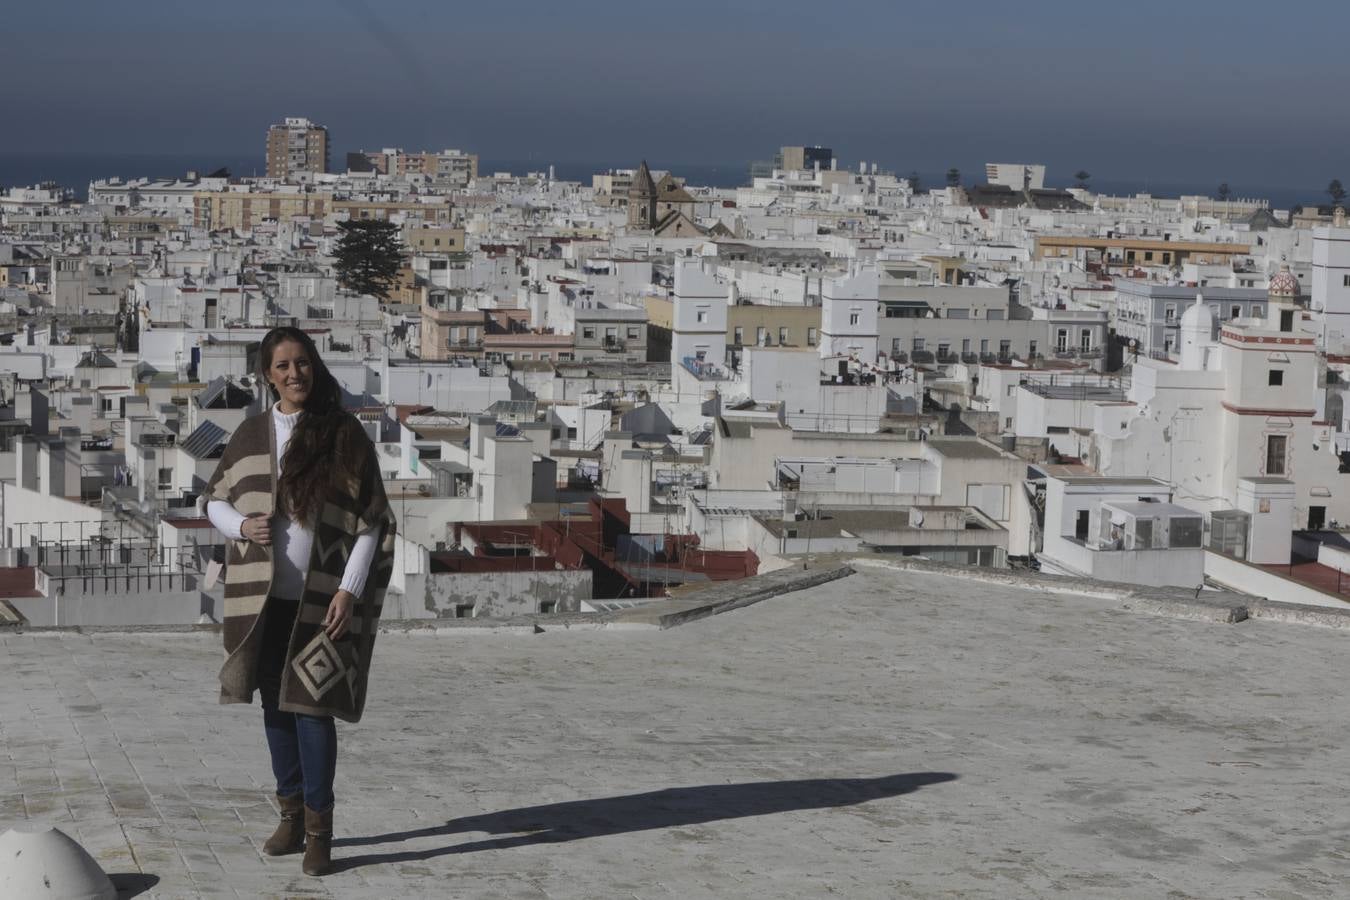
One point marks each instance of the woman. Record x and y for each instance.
(298, 495)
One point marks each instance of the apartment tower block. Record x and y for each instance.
(296, 145)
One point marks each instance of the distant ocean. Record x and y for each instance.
(76, 170)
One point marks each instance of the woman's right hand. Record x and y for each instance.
(258, 529)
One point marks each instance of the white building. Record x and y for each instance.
(1121, 529)
(848, 316)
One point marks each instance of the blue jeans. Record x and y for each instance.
(303, 748)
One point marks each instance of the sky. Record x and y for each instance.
(1179, 91)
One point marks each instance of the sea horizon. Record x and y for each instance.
(75, 170)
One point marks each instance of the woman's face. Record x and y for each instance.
(291, 373)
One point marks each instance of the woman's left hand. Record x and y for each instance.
(339, 614)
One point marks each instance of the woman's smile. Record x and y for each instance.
(292, 374)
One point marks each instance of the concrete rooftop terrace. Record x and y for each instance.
(891, 734)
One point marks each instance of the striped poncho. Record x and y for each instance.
(321, 677)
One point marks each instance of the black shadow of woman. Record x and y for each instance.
(576, 820)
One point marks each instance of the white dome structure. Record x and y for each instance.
(1197, 336)
(46, 862)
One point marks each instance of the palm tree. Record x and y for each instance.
(953, 177)
(1080, 178)
(1336, 191)
(1224, 191)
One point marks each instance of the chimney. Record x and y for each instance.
(478, 428)
(26, 462)
(73, 458)
(52, 468)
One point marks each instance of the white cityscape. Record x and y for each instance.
(588, 397)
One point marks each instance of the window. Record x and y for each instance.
(1167, 258)
(463, 610)
(1062, 340)
(782, 335)
(1004, 348)
(761, 336)
(165, 479)
(810, 337)
(853, 318)
(1185, 532)
(1169, 313)
(701, 316)
(738, 335)
(611, 334)
(1275, 377)
(1345, 281)
(588, 332)
(959, 313)
(548, 607)
(984, 345)
(634, 333)
(995, 314)
(918, 344)
(1235, 312)
(1286, 320)
(1031, 349)
(1143, 534)
(895, 347)
(1148, 256)
(1275, 449)
(1007, 424)
(944, 351)
(1085, 340)
(965, 345)
(1258, 312)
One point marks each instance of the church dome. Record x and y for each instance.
(1283, 283)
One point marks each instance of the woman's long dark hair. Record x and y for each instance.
(322, 455)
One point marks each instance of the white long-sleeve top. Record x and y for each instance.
(291, 540)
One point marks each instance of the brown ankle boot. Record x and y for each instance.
(290, 834)
(318, 842)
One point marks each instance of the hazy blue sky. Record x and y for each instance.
(1179, 90)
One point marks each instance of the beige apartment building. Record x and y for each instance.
(748, 325)
(1128, 252)
(383, 210)
(294, 146)
(242, 210)
(454, 166)
(433, 239)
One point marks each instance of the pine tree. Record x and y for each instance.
(368, 256)
(953, 177)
